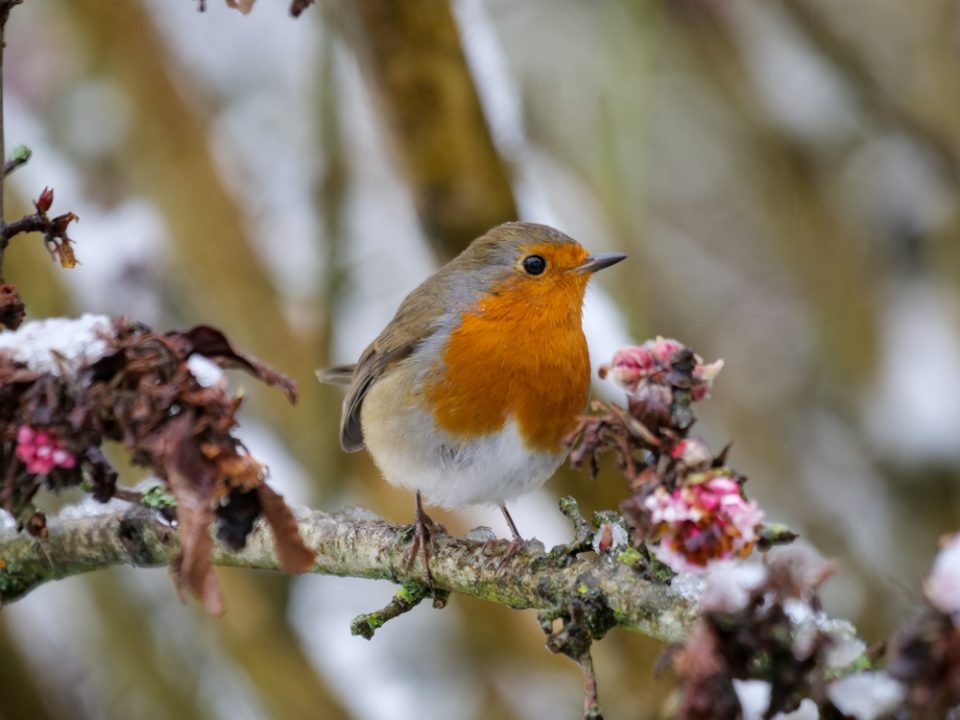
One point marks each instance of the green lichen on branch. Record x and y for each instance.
(360, 547)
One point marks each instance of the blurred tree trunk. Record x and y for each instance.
(411, 52)
(224, 283)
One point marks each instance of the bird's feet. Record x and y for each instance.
(424, 530)
(515, 544)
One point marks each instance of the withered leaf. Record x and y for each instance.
(295, 556)
(211, 343)
(190, 479)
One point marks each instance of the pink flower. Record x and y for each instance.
(636, 368)
(697, 524)
(693, 453)
(42, 451)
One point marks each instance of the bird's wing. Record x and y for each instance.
(415, 320)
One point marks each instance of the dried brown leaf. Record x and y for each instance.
(211, 343)
(294, 555)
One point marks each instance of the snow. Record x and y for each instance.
(88, 508)
(866, 695)
(689, 586)
(754, 697)
(943, 586)
(8, 526)
(729, 584)
(481, 534)
(206, 372)
(57, 343)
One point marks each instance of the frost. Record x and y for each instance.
(206, 372)
(865, 696)
(943, 586)
(754, 697)
(481, 534)
(358, 514)
(535, 546)
(52, 344)
(8, 526)
(87, 508)
(729, 584)
(845, 647)
(689, 586)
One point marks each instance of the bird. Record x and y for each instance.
(466, 394)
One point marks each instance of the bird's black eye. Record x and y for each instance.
(534, 264)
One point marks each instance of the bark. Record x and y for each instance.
(355, 544)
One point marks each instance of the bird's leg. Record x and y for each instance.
(422, 541)
(517, 540)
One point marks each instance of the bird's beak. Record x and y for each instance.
(599, 262)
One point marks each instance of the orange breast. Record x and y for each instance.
(520, 353)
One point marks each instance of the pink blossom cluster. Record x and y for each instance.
(634, 368)
(697, 524)
(42, 451)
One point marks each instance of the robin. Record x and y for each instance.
(465, 395)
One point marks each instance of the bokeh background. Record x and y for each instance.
(783, 174)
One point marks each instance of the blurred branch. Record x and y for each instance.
(5, 7)
(413, 58)
(349, 545)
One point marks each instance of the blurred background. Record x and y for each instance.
(782, 173)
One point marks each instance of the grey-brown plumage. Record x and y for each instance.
(432, 311)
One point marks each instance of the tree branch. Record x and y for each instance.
(349, 545)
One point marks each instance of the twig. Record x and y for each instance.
(54, 230)
(5, 7)
(591, 700)
(403, 601)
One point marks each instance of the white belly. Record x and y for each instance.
(449, 472)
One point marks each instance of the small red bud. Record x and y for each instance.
(45, 200)
(605, 541)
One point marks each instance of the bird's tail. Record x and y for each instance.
(337, 375)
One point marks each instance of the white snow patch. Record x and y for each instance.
(943, 586)
(8, 526)
(729, 584)
(689, 586)
(866, 695)
(56, 343)
(480, 534)
(754, 697)
(87, 508)
(206, 372)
